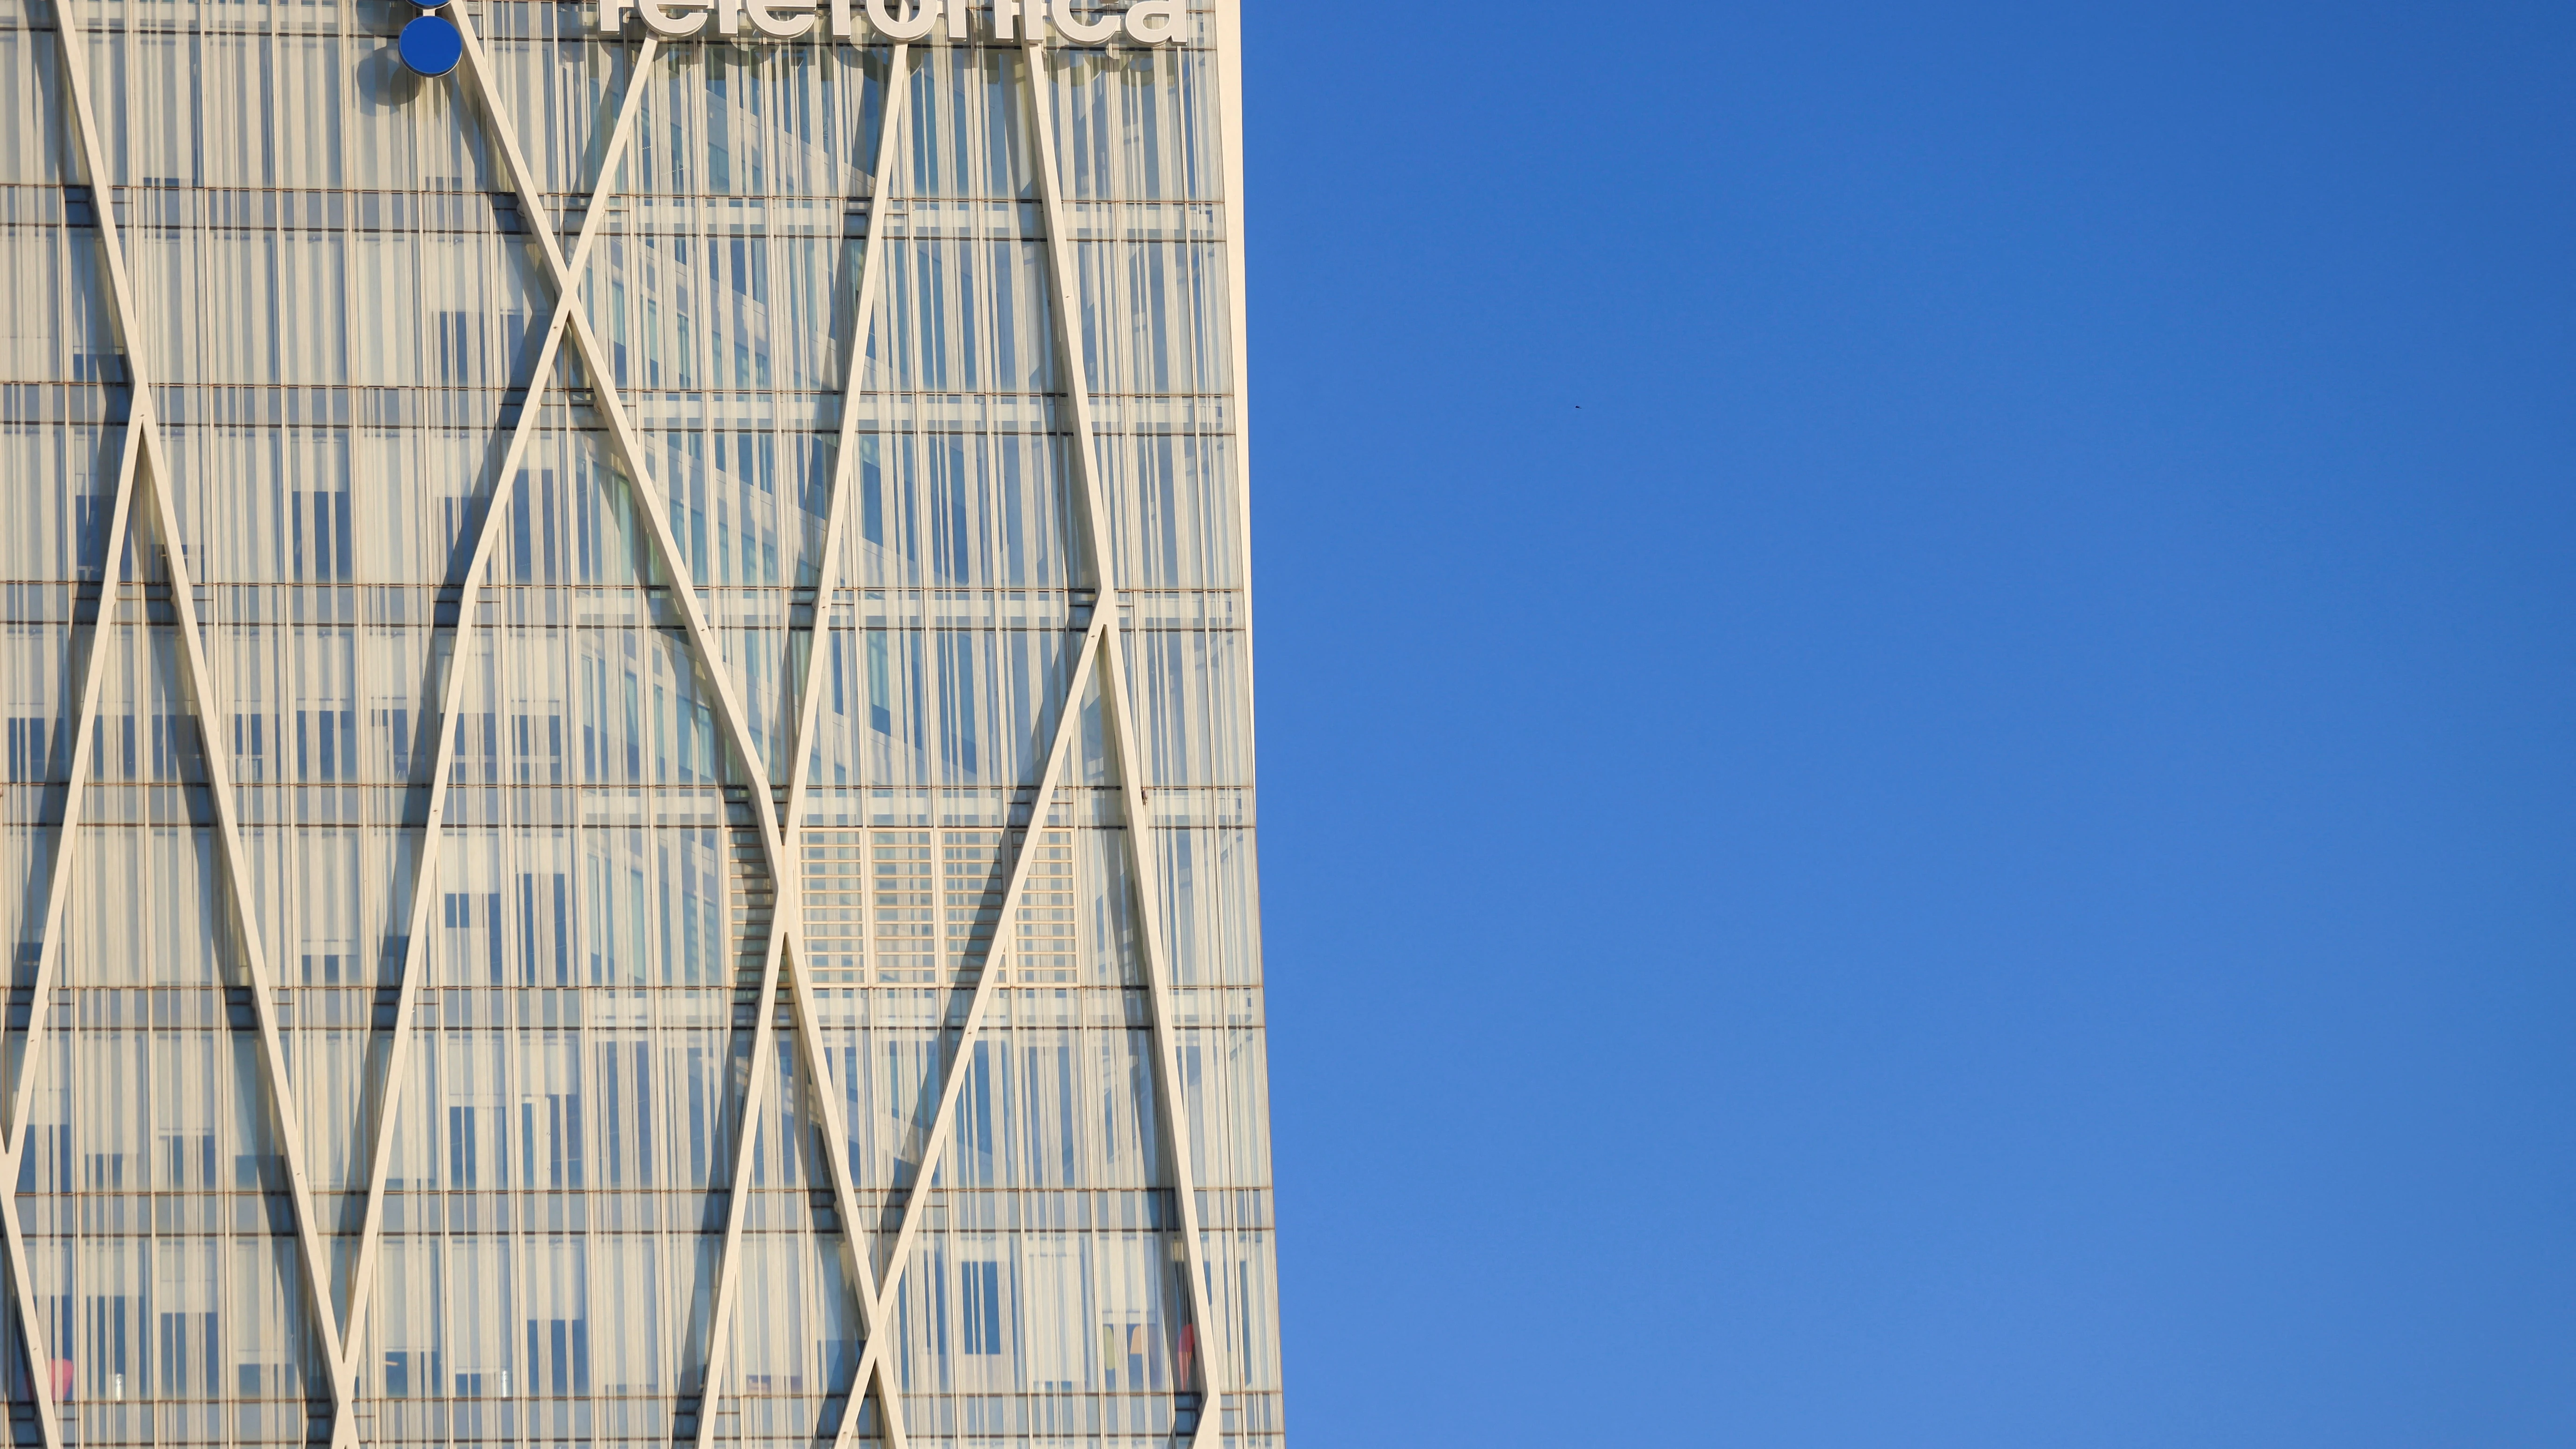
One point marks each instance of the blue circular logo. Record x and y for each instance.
(431, 45)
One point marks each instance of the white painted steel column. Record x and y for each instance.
(415, 969)
(1229, 63)
(1229, 69)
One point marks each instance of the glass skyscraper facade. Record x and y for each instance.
(628, 809)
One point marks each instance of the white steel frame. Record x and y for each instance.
(459, 667)
(144, 463)
(1103, 647)
(787, 876)
(1118, 708)
(786, 916)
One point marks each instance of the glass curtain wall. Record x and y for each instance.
(516, 1042)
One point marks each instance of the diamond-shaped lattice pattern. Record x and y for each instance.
(716, 614)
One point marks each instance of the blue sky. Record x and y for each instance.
(1915, 687)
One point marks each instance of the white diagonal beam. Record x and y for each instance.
(1066, 304)
(200, 679)
(93, 640)
(857, 1262)
(200, 686)
(1229, 64)
(701, 635)
(424, 874)
(1119, 703)
(84, 744)
(952, 1076)
(705, 646)
(787, 883)
(1142, 851)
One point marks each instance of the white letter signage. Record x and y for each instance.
(753, 22)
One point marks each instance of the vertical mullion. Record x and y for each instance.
(84, 123)
(1229, 63)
